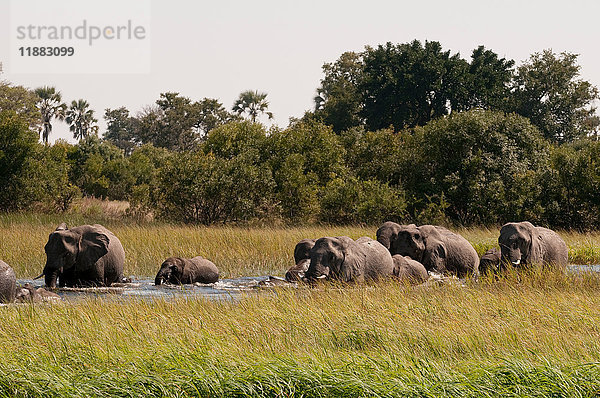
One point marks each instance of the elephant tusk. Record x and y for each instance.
(39, 276)
(517, 262)
(322, 277)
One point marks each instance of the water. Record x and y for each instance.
(224, 289)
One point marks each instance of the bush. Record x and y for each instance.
(194, 187)
(18, 145)
(487, 165)
(350, 200)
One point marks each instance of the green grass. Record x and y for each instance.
(525, 334)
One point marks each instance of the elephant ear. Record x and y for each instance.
(178, 266)
(92, 246)
(534, 253)
(62, 227)
(350, 267)
(435, 257)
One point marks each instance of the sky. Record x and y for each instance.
(218, 49)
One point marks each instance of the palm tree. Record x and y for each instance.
(51, 106)
(81, 119)
(253, 103)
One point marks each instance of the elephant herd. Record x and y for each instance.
(410, 252)
(91, 255)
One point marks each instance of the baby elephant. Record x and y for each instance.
(490, 261)
(178, 271)
(302, 260)
(407, 269)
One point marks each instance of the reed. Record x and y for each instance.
(526, 334)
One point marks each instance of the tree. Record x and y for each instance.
(90, 160)
(490, 79)
(408, 85)
(81, 119)
(252, 103)
(485, 165)
(209, 114)
(176, 122)
(119, 129)
(21, 101)
(338, 102)
(17, 146)
(238, 139)
(549, 92)
(51, 106)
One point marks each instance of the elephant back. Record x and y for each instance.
(378, 260)
(203, 270)
(554, 248)
(461, 257)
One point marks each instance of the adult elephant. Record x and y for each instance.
(523, 244)
(437, 248)
(301, 259)
(344, 259)
(8, 283)
(179, 271)
(407, 269)
(87, 255)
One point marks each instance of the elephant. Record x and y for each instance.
(344, 259)
(522, 244)
(437, 248)
(407, 269)
(302, 260)
(179, 271)
(490, 261)
(29, 294)
(8, 283)
(87, 255)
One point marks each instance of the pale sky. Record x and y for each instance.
(218, 49)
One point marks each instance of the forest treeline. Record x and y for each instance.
(407, 132)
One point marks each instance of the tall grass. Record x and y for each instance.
(533, 334)
(237, 251)
(521, 334)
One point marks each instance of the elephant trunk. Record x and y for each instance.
(163, 275)
(385, 241)
(316, 270)
(50, 277)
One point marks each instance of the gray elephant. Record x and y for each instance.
(8, 283)
(344, 259)
(437, 248)
(179, 271)
(523, 244)
(302, 260)
(87, 255)
(490, 261)
(407, 269)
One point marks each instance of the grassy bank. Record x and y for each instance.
(525, 335)
(237, 251)
(530, 334)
